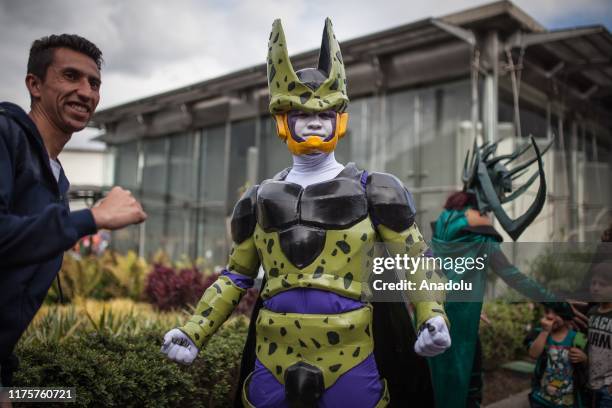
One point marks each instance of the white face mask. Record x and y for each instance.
(314, 124)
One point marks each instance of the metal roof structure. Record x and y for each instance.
(575, 65)
(579, 58)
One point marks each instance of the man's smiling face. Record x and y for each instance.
(70, 91)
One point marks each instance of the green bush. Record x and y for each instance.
(116, 318)
(131, 371)
(502, 340)
(101, 277)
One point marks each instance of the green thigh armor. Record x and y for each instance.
(333, 343)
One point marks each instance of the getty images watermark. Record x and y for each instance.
(426, 264)
(473, 271)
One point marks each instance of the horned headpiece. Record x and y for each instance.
(311, 89)
(490, 180)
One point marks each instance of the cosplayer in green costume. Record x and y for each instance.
(464, 229)
(313, 341)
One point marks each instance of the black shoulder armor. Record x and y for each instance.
(389, 202)
(244, 216)
(281, 175)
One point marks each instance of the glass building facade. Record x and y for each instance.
(188, 182)
(188, 154)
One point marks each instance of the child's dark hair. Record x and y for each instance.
(41, 52)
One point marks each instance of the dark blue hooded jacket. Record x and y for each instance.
(36, 225)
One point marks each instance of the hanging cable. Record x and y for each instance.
(475, 69)
(515, 75)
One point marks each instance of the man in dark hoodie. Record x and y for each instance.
(36, 225)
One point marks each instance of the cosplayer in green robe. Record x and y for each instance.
(464, 229)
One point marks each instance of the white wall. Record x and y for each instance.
(84, 167)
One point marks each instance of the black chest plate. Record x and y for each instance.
(301, 216)
(335, 204)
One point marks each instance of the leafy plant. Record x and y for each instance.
(502, 339)
(79, 276)
(100, 277)
(130, 371)
(168, 289)
(129, 271)
(54, 327)
(56, 323)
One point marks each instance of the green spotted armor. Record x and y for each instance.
(314, 335)
(319, 237)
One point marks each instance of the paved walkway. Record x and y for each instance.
(514, 401)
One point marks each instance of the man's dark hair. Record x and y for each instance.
(41, 52)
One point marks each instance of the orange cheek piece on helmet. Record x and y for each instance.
(311, 144)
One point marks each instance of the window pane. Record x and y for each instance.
(125, 239)
(212, 168)
(126, 172)
(154, 231)
(179, 240)
(155, 169)
(126, 175)
(533, 119)
(182, 169)
(212, 237)
(273, 153)
(400, 140)
(242, 137)
(153, 189)
(358, 138)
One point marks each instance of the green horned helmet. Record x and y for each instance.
(310, 89)
(488, 177)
